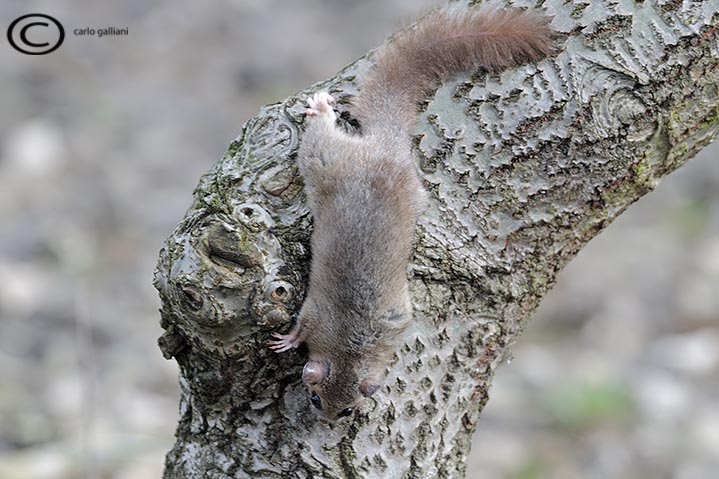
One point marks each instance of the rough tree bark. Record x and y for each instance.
(523, 169)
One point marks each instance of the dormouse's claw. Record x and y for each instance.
(319, 104)
(324, 96)
(280, 348)
(284, 342)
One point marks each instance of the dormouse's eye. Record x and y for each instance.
(345, 412)
(316, 402)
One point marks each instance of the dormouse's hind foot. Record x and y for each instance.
(320, 105)
(284, 342)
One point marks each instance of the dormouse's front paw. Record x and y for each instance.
(320, 105)
(284, 342)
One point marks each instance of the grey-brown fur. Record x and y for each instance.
(438, 47)
(365, 195)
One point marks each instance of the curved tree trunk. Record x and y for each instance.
(523, 169)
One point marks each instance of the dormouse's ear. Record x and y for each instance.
(368, 387)
(314, 372)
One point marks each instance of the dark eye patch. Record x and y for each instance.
(316, 401)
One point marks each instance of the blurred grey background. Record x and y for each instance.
(101, 144)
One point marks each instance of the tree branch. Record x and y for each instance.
(523, 169)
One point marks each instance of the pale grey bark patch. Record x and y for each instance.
(523, 169)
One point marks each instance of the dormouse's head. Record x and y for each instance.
(335, 389)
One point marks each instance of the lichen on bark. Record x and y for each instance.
(523, 169)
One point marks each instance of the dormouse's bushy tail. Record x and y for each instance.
(440, 46)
